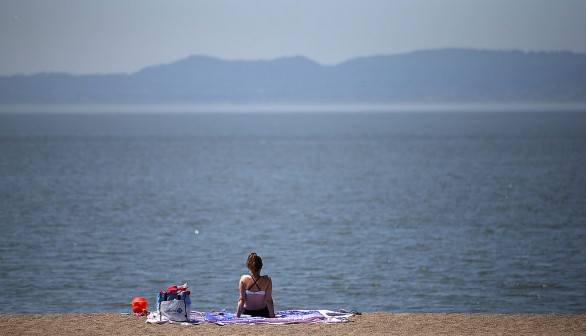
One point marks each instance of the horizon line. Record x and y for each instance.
(195, 108)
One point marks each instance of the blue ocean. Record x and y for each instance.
(443, 209)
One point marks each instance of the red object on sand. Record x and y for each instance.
(138, 304)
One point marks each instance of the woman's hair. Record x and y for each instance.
(254, 262)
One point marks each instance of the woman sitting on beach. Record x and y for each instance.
(256, 291)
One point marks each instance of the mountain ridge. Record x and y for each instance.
(440, 75)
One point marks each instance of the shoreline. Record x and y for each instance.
(374, 323)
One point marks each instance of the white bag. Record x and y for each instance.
(175, 310)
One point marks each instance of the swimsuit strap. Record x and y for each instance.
(254, 283)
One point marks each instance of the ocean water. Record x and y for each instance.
(446, 210)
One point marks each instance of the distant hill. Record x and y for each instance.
(451, 75)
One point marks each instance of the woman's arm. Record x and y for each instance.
(269, 298)
(241, 297)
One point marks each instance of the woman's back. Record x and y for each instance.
(256, 291)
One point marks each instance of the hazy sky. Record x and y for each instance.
(111, 36)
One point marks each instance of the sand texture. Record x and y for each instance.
(365, 324)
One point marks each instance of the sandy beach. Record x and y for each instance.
(365, 324)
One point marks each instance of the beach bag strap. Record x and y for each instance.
(185, 298)
(162, 297)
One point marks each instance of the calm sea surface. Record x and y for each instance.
(438, 211)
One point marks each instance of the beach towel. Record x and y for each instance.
(281, 317)
(155, 317)
(223, 317)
